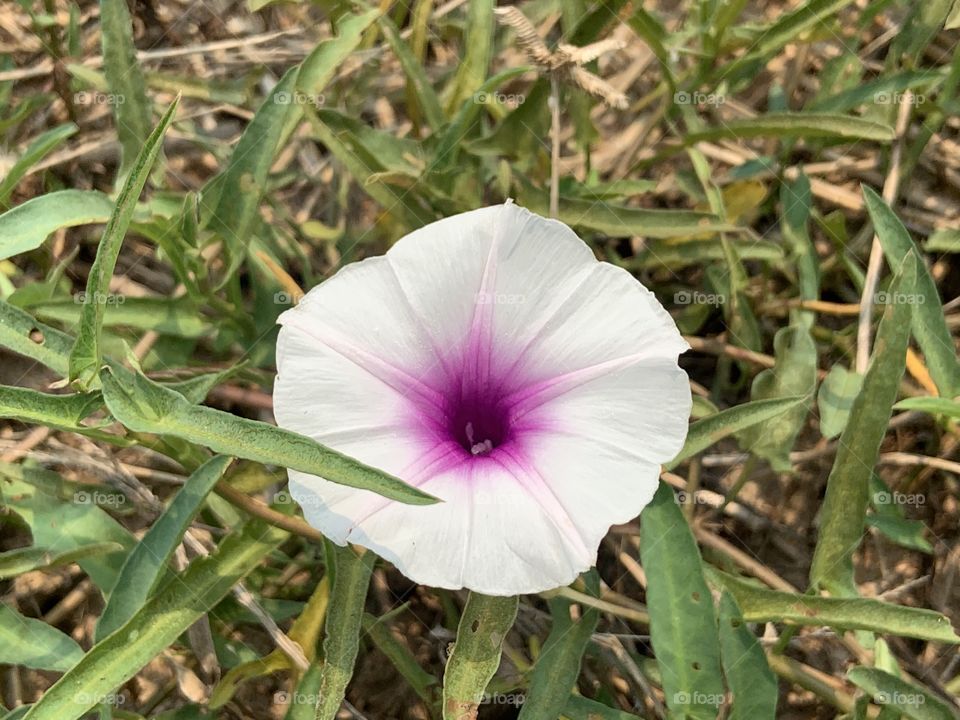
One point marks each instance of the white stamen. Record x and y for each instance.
(481, 448)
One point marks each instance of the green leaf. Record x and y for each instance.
(752, 683)
(416, 77)
(795, 373)
(35, 152)
(22, 560)
(943, 240)
(65, 517)
(396, 651)
(26, 226)
(683, 626)
(927, 319)
(24, 335)
(845, 503)
(145, 406)
(558, 665)
(477, 51)
(60, 411)
(125, 79)
(760, 605)
(706, 432)
(484, 625)
(932, 405)
(145, 565)
(344, 619)
(912, 700)
(34, 644)
(176, 606)
(795, 125)
(178, 318)
(87, 354)
(835, 399)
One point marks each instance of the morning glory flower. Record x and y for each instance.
(490, 360)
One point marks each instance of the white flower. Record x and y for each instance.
(491, 361)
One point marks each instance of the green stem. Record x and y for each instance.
(476, 653)
(344, 618)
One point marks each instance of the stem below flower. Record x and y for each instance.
(476, 653)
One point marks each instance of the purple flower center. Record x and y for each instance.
(478, 424)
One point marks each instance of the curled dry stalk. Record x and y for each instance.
(562, 65)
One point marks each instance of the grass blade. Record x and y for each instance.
(145, 406)
(478, 47)
(802, 126)
(344, 618)
(145, 565)
(87, 354)
(40, 147)
(125, 79)
(683, 626)
(485, 622)
(927, 318)
(848, 486)
(558, 666)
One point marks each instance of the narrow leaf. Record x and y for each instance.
(795, 125)
(683, 625)
(751, 681)
(22, 560)
(845, 503)
(34, 644)
(26, 226)
(35, 152)
(912, 700)
(145, 406)
(144, 566)
(87, 354)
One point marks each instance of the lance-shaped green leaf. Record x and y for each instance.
(145, 406)
(60, 411)
(22, 560)
(27, 225)
(848, 486)
(475, 59)
(759, 604)
(125, 79)
(927, 319)
(795, 125)
(890, 691)
(400, 656)
(835, 399)
(579, 707)
(176, 606)
(344, 618)
(751, 681)
(558, 665)
(87, 354)
(416, 77)
(34, 644)
(35, 152)
(485, 622)
(704, 433)
(683, 625)
(24, 335)
(932, 405)
(145, 565)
